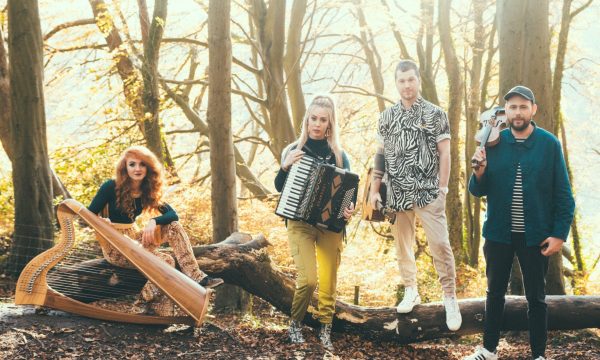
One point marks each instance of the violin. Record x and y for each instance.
(492, 122)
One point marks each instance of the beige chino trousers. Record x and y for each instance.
(433, 218)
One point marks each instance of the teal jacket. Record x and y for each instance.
(548, 202)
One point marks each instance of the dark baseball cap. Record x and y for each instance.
(521, 91)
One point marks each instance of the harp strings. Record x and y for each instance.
(71, 276)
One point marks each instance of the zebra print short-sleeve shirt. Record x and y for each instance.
(409, 138)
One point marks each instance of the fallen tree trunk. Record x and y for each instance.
(243, 261)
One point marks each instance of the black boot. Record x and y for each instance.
(210, 282)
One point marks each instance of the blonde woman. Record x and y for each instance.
(137, 188)
(316, 252)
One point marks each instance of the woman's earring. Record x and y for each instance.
(328, 132)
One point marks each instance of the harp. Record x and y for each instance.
(33, 287)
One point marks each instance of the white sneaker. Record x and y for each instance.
(453, 317)
(411, 298)
(540, 358)
(482, 353)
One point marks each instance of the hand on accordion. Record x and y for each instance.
(349, 211)
(293, 156)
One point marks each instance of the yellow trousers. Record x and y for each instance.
(317, 255)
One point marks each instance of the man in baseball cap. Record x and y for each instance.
(526, 167)
(522, 91)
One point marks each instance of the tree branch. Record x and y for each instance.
(67, 25)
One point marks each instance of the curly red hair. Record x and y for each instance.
(151, 186)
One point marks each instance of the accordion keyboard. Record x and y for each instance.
(295, 187)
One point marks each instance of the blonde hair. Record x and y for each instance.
(325, 102)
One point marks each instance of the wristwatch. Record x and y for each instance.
(444, 190)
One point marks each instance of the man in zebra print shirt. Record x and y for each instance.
(414, 156)
(529, 211)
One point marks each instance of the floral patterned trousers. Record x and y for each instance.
(177, 238)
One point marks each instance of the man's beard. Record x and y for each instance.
(525, 125)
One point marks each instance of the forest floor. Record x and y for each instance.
(29, 333)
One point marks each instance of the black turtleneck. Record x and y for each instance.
(315, 148)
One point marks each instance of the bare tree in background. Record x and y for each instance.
(455, 95)
(474, 105)
(151, 37)
(425, 53)
(30, 167)
(222, 157)
(135, 87)
(581, 274)
(269, 22)
(292, 62)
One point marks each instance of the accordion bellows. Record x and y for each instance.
(317, 193)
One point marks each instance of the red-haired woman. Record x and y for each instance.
(136, 189)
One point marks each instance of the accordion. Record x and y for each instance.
(317, 193)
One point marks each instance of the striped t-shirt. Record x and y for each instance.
(516, 208)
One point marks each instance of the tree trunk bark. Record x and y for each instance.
(371, 55)
(247, 264)
(126, 70)
(132, 80)
(292, 62)
(563, 38)
(5, 134)
(222, 155)
(404, 54)
(151, 95)
(270, 24)
(425, 55)
(453, 204)
(579, 259)
(472, 203)
(474, 247)
(58, 189)
(31, 169)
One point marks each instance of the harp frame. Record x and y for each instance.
(33, 289)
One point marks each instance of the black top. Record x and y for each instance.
(314, 148)
(107, 195)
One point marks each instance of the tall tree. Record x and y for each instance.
(472, 203)
(31, 169)
(222, 155)
(367, 43)
(397, 35)
(5, 134)
(270, 32)
(455, 96)
(524, 44)
(425, 53)
(133, 83)
(125, 69)
(559, 66)
(58, 189)
(151, 38)
(292, 63)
